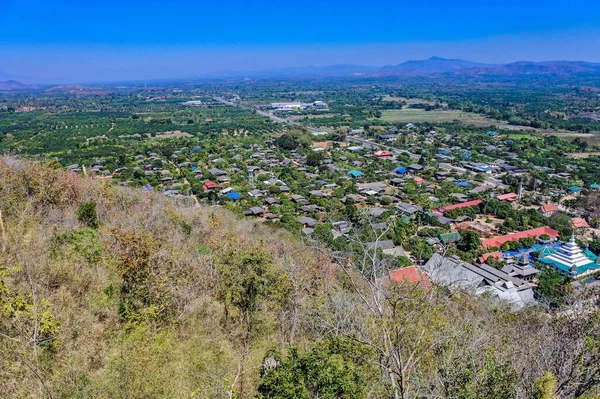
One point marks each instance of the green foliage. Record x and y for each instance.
(545, 387)
(84, 242)
(24, 318)
(562, 223)
(469, 241)
(314, 158)
(332, 369)
(287, 142)
(87, 215)
(552, 286)
(246, 279)
(143, 294)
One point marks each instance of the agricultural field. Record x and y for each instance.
(414, 115)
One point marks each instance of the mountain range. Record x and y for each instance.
(431, 67)
(436, 66)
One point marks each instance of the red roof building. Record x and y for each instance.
(533, 233)
(548, 209)
(460, 205)
(410, 274)
(383, 154)
(507, 197)
(209, 185)
(579, 223)
(496, 255)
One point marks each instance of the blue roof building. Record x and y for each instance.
(574, 189)
(234, 195)
(462, 184)
(400, 170)
(595, 186)
(197, 149)
(491, 133)
(444, 152)
(571, 260)
(466, 155)
(355, 173)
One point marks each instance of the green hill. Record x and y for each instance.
(108, 292)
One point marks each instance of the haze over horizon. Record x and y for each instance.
(63, 42)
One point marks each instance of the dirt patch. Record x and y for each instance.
(173, 134)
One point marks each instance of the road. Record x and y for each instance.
(274, 118)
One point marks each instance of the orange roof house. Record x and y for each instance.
(410, 274)
(548, 209)
(579, 223)
(209, 185)
(496, 255)
(507, 197)
(383, 154)
(460, 205)
(533, 233)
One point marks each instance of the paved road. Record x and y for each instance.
(274, 118)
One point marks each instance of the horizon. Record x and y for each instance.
(105, 42)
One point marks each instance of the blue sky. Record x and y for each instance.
(90, 40)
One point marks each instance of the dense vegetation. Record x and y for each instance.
(134, 297)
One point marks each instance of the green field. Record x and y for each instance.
(412, 115)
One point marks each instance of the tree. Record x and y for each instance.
(562, 223)
(247, 280)
(469, 241)
(334, 368)
(314, 158)
(287, 142)
(87, 215)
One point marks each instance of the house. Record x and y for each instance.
(579, 223)
(415, 167)
(355, 173)
(217, 172)
(574, 189)
(306, 221)
(460, 205)
(410, 275)
(510, 197)
(383, 154)
(548, 209)
(271, 201)
(455, 273)
(448, 238)
(408, 209)
(234, 195)
(209, 185)
(533, 233)
(254, 211)
(400, 170)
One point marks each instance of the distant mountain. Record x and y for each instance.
(13, 85)
(433, 65)
(540, 68)
(437, 66)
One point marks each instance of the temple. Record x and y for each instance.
(572, 260)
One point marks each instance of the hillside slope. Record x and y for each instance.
(109, 292)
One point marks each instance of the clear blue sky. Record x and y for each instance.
(90, 40)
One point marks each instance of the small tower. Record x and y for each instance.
(520, 189)
(251, 176)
